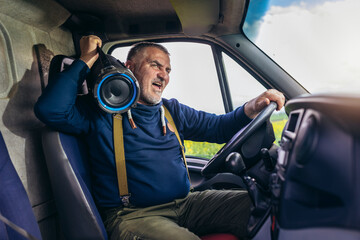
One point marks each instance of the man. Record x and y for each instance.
(162, 206)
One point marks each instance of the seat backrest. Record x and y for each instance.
(14, 201)
(67, 161)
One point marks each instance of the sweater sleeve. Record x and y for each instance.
(58, 106)
(202, 126)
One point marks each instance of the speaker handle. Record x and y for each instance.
(103, 58)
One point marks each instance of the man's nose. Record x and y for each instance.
(163, 75)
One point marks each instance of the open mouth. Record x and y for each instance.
(157, 85)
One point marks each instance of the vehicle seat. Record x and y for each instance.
(66, 159)
(14, 202)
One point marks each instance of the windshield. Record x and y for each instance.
(315, 41)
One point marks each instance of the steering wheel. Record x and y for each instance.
(238, 139)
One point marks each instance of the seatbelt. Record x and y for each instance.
(17, 228)
(119, 151)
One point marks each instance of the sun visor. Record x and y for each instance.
(197, 17)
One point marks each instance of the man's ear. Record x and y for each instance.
(130, 65)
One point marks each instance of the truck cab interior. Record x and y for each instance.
(303, 178)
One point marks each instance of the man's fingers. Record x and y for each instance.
(262, 104)
(280, 101)
(90, 41)
(276, 96)
(95, 39)
(88, 48)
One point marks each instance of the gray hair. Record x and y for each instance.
(141, 45)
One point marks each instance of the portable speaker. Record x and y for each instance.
(113, 86)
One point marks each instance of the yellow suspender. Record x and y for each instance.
(171, 121)
(120, 158)
(120, 154)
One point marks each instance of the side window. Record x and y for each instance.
(244, 87)
(193, 78)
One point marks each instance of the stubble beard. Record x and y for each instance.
(149, 99)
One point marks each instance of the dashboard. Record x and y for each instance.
(318, 164)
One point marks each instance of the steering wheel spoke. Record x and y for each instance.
(237, 140)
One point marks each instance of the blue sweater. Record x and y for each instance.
(155, 169)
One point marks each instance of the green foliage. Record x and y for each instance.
(278, 116)
(278, 128)
(278, 120)
(201, 149)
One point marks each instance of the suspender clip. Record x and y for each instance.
(126, 200)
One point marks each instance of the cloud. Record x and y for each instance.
(317, 44)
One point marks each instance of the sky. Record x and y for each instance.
(316, 41)
(260, 8)
(286, 3)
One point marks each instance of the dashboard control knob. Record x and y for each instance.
(268, 161)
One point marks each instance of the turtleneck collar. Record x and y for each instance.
(148, 115)
(146, 110)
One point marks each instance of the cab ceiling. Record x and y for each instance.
(129, 19)
(126, 19)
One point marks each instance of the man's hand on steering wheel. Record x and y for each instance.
(256, 105)
(260, 110)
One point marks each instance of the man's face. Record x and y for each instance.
(151, 67)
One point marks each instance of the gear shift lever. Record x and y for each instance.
(235, 164)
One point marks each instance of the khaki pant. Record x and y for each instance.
(200, 213)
